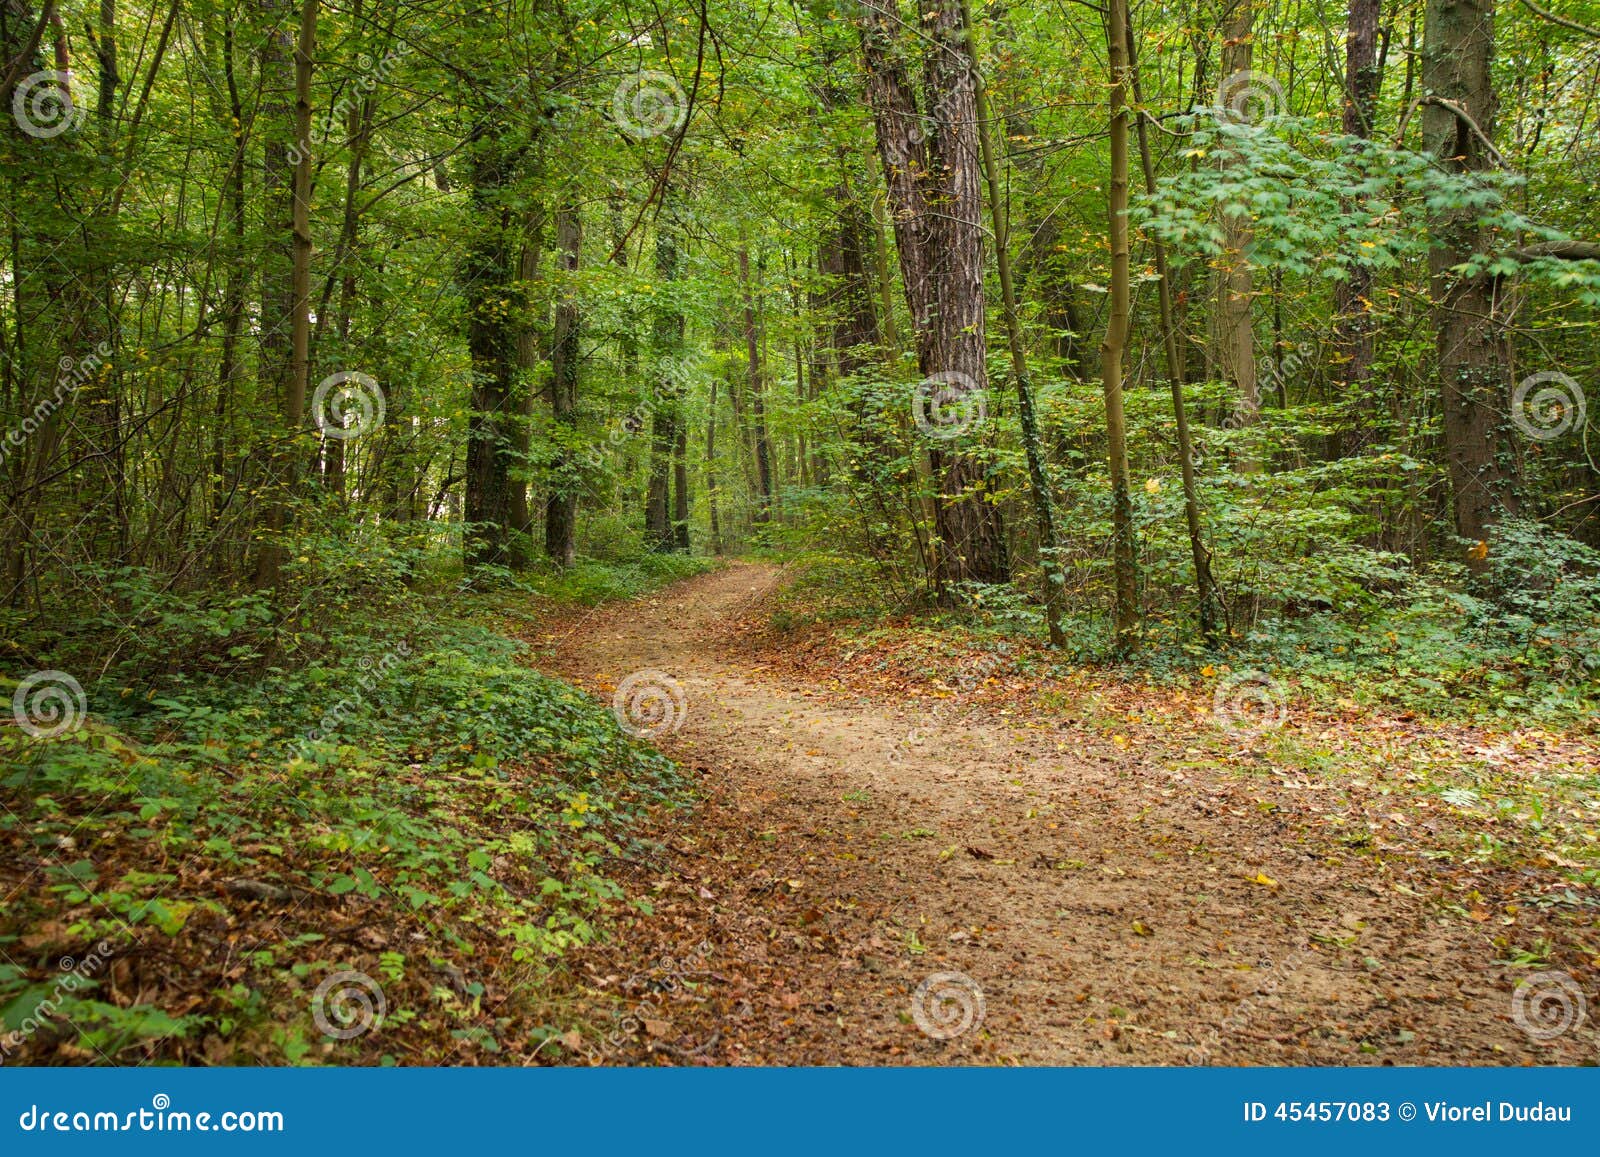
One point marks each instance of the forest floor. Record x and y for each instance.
(1123, 881)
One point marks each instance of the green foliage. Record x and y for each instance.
(421, 768)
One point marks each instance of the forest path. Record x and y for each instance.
(1111, 908)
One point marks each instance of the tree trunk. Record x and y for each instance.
(974, 544)
(520, 406)
(561, 510)
(487, 283)
(680, 487)
(711, 468)
(275, 357)
(1352, 305)
(1050, 550)
(1205, 585)
(934, 190)
(1474, 355)
(667, 329)
(1235, 288)
(758, 413)
(1115, 344)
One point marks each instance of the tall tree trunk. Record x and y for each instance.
(300, 280)
(680, 486)
(1235, 287)
(495, 508)
(529, 355)
(233, 309)
(934, 190)
(758, 414)
(561, 510)
(969, 523)
(1474, 355)
(667, 330)
(345, 268)
(103, 519)
(1114, 346)
(1352, 326)
(1050, 548)
(711, 468)
(1205, 585)
(275, 357)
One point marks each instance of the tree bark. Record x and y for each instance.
(667, 328)
(711, 468)
(758, 414)
(1353, 329)
(561, 509)
(489, 289)
(934, 190)
(275, 357)
(1050, 548)
(1473, 351)
(1235, 288)
(1115, 344)
(1205, 585)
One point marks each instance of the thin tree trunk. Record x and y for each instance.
(273, 357)
(521, 404)
(668, 337)
(561, 510)
(680, 487)
(1474, 355)
(758, 414)
(286, 285)
(711, 468)
(1353, 326)
(1205, 586)
(1114, 346)
(1050, 547)
(233, 307)
(1235, 289)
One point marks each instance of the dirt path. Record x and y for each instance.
(1111, 909)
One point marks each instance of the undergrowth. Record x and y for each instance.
(1522, 648)
(392, 820)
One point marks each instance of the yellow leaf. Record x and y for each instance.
(1264, 880)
